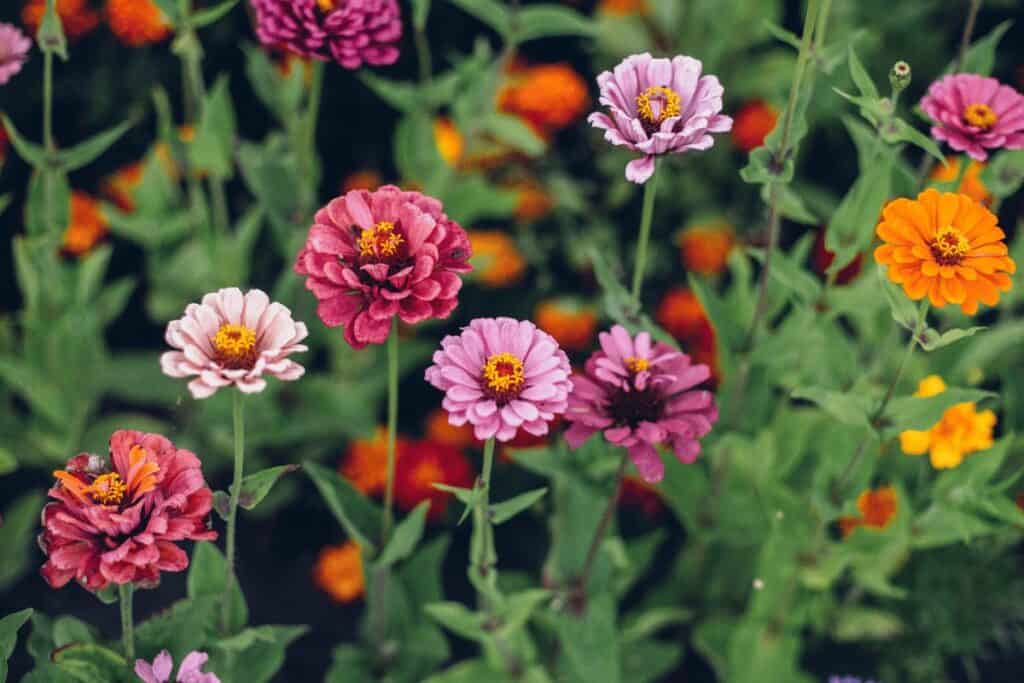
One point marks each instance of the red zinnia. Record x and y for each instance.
(422, 464)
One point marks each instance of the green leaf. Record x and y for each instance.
(5, 201)
(904, 311)
(281, 94)
(853, 224)
(591, 642)
(860, 76)
(169, 8)
(86, 152)
(912, 412)
(1004, 174)
(544, 21)
(457, 618)
(9, 627)
(848, 408)
(213, 148)
(729, 330)
(34, 155)
(17, 537)
(791, 275)
(186, 625)
(981, 55)
(653, 620)
(207, 581)
(405, 537)
(506, 510)
(255, 655)
(255, 487)
(856, 623)
(401, 95)
(359, 517)
(491, 12)
(211, 15)
(91, 270)
(931, 340)
(8, 463)
(90, 663)
(514, 132)
(50, 35)
(48, 213)
(43, 396)
(420, 12)
(902, 131)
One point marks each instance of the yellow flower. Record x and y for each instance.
(971, 184)
(705, 248)
(496, 259)
(339, 572)
(961, 431)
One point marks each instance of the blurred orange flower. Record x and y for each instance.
(970, 185)
(449, 141)
(961, 431)
(877, 507)
(339, 572)
(496, 258)
(549, 97)
(623, 8)
(705, 248)
(423, 464)
(366, 179)
(440, 430)
(681, 314)
(752, 123)
(86, 225)
(119, 187)
(571, 324)
(532, 200)
(137, 23)
(365, 464)
(947, 247)
(76, 16)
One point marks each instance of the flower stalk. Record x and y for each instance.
(125, 594)
(238, 420)
(389, 491)
(483, 554)
(646, 217)
(602, 526)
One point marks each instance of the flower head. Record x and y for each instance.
(440, 430)
(877, 508)
(365, 179)
(961, 431)
(975, 113)
(233, 339)
(423, 464)
(501, 375)
(641, 395)
(622, 8)
(77, 17)
(753, 122)
(549, 97)
(571, 324)
(137, 23)
(350, 32)
(365, 464)
(946, 247)
(120, 186)
(117, 520)
(705, 248)
(339, 572)
(659, 106)
(497, 261)
(14, 47)
(86, 226)
(532, 201)
(189, 671)
(372, 256)
(971, 183)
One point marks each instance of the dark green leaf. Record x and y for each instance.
(514, 132)
(90, 663)
(457, 618)
(86, 152)
(912, 412)
(543, 21)
(860, 76)
(357, 515)
(34, 155)
(210, 15)
(213, 148)
(848, 408)
(17, 537)
(981, 55)
(930, 339)
(207, 580)
(9, 626)
(506, 510)
(255, 487)
(591, 642)
(405, 537)
(903, 310)
(44, 397)
(491, 12)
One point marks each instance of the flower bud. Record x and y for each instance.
(899, 76)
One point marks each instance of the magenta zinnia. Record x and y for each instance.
(14, 47)
(659, 106)
(641, 395)
(119, 520)
(501, 375)
(371, 256)
(975, 113)
(233, 339)
(160, 670)
(350, 32)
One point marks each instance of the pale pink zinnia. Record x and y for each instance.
(975, 113)
(659, 106)
(501, 375)
(371, 256)
(14, 47)
(641, 395)
(233, 339)
(119, 519)
(190, 670)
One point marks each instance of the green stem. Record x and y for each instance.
(238, 419)
(965, 38)
(125, 592)
(486, 555)
(389, 492)
(602, 526)
(316, 88)
(423, 55)
(48, 101)
(650, 190)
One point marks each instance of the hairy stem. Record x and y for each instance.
(603, 524)
(389, 492)
(238, 419)
(650, 190)
(125, 592)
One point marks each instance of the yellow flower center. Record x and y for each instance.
(503, 375)
(325, 5)
(950, 246)
(235, 345)
(658, 103)
(380, 240)
(637, 365)
(980, 115)
(108, 489)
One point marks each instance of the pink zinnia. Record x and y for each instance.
(499, 375)
(348, 31)
(233, 339)
(659, 106)
(371, 256)
(641, 395)
(14, 47)
(974, 113)
(189, 671)
(118, 520)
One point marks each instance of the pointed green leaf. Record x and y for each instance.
(84, 153)
(214, 146)
(17, 536)
(255, 487)
(931, 340)
(860, 76)
(981, 55)
(904, 311)
(9, 627)
(405, 537)
(34, 155)
(912, 412)
(506, 510)
(359, 517)
(91, 663)
(420, 12)
(210, 15)
(491, 12)
(545, 21)
(457, 618)
(207, 580)
(848, 408)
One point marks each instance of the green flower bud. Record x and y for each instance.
(899, 76)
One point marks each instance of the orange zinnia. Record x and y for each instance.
(621, 8)
(137, 23)
(86, 225)
(76, 16)
(439, 429)
(449, 141)
(361, 180)
(877, 507)
(532, 200)
(970, 185)
(496, 259)
(705, 248)
(549, 97)
(339, 572)
(947, 247)
(120, 186)
(752, 123)
(365, 464)
(572, 325)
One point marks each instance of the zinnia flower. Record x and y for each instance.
(120, 186)
(975, 113)
(641, 395)
(877, 507)
(14, 47)
(753, 122)
(532, 201)
(118, 520)
(439, 429)
(233, 339)
(496, 258)
(77, 17)
(945, 246)
(501, 375)
(961, 431)
(371, 256)
(450, 143)
(705, 248)
(622, 8)
(365, 179)
(681, 314)
(571, 324)
(971, 184)
(189, 671)
(423, 464)
(137, 23)
(86, 226)
(659, 106)
(339, 572)
(365, 464)
(350, 32)
(549, 97)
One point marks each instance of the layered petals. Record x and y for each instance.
(974, 114)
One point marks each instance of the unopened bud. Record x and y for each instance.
(899, 76)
